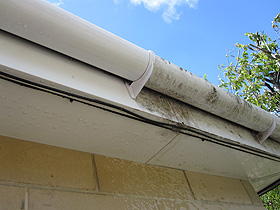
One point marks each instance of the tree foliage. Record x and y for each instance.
(254, 76)
(255, 72)
(271, 199)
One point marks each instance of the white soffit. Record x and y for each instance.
(189, 152)
(45, 118)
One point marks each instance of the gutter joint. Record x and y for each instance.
(262, 136)
(135, 87)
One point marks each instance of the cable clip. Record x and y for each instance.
(135, 87)
(262, 136)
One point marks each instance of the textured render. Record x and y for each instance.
(236, 207)
(183, 205)
(55, 200)
(120, 176)
(35, 176)
(170, 205)
(34, 163)
(12, 198)
(218, 189)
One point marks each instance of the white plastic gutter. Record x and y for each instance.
(54, 28)
(178, 83)
(43, 23)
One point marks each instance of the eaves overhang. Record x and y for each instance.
(54, 28)
(63, 92)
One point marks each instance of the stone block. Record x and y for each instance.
(126, 177)
(218, 189)
(12, 198)
(33, 163)
(170, 205)
(58, 200)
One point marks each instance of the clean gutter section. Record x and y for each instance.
(45, 24)
(54, 28)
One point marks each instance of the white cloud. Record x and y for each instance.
(169, 7)
(117, 1)
(59, 3)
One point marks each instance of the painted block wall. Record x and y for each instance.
(35, 176)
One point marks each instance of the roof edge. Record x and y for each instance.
(75, 37)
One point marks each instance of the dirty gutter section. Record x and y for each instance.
(182, 85)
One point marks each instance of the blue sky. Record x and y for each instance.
(193, 34)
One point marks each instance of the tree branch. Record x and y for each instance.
(269, 87)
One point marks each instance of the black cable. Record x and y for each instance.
(269, 187)
(127, 113)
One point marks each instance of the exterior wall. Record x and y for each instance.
(35, 176)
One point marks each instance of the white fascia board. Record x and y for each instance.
(50, 26)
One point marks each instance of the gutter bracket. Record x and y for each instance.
(262, 136)
(135, 87)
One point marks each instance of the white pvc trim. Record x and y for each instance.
(262, 136)
(45, 24)
(135, 87)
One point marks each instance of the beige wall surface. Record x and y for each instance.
(35, 176)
